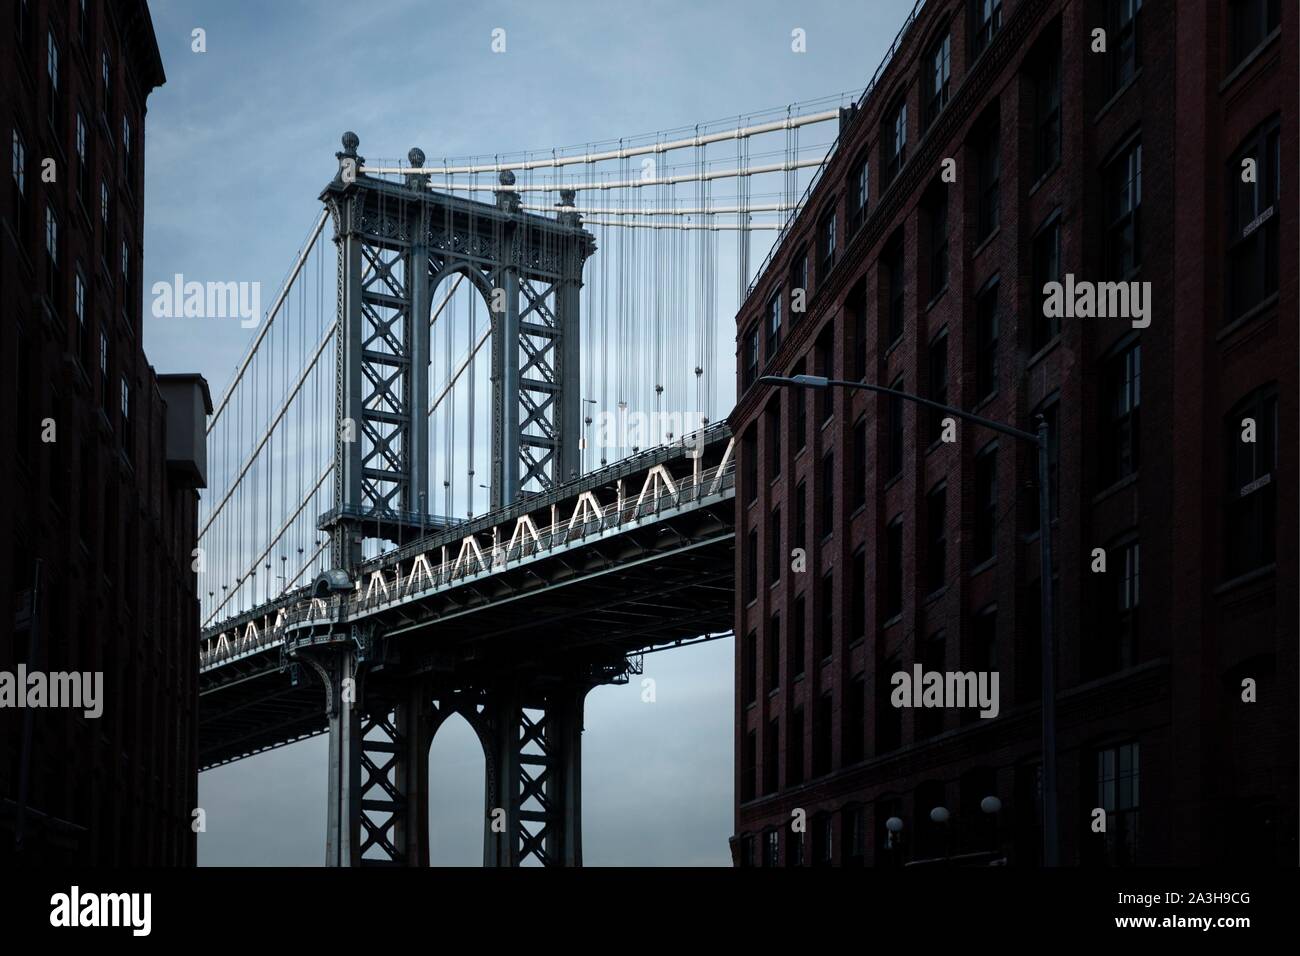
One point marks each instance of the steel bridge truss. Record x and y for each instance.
(396, 242)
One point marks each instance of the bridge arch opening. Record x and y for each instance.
(460, 393)
(457, 785)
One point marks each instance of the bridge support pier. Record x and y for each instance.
(533, 743)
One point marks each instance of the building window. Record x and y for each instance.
(937, 379)
(106, 74)
(936, 546)
(22, 20)
(857, 305)
(748, 768)
(1047, 110)
(83, 24)
(1123, 41)
(798, 641)
(82, 165)
(1123, 204)
(822, 741)
(749, 459)
(986, 503)
(892, 603)
(859, 463)
(938, 77)
(984, 640)
(1049, 410)
(889, 719)
(936, 220)
(929, 720)
(894, 433)
(773, 417)
(127, 433)
(799, 397)
(1253, 220)
(53, 283)
(1251, 22)
(128, 166)
(1123, 565)
(893, 139)
(800, 515)
(776, 557)
(986, 20)
(986, 342)
(772, 664)
(773, 324)
(126, 265)
(772, 848)
(106, 232)
(893, 314)
(1123, 398)
(751, 567)
(1250, 514)
(858, 595)
(772, 756)
(859, 195)
(826, 632)
(1046, 268)
(828, 494)
(824, 357)
(79, 308)
(1117, 794)
(854, 723)
(988, 164)
(52, 70)
(798, 281)
(749, 685)
(750, 358)
(794, 764)
(18, 167)
(826, 244)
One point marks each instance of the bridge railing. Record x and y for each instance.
(406, 575)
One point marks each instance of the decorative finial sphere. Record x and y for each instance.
(506, 178)
(416, 156)
(351, 140)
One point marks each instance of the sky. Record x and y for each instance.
(239, 143)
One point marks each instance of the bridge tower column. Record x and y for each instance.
(533, 743)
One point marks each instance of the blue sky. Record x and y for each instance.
(240, 141)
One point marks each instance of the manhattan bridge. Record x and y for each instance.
(475, 461)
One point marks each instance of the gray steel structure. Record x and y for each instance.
(513, 642)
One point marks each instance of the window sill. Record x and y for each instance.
(1045, 175)
(934, 299)
(890, 482)
(985, 402)
(892, 621)
(1116, 488)
(934, 595)
(983, 566)
(1249, 59)
(1242, 580)
(1247, 317)
(1118, 95)
(889, 349)
(857, 642)
(1042, 353)
(986, 241)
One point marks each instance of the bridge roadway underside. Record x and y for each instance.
(581, 609)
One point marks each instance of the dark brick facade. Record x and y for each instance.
(1199, 528)
(104, 509)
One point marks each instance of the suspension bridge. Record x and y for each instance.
(474, 461)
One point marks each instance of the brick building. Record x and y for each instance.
(107, 508)
(1123, 165)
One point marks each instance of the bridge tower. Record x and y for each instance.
(397, 241)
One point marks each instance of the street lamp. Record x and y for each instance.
(1039, 440)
